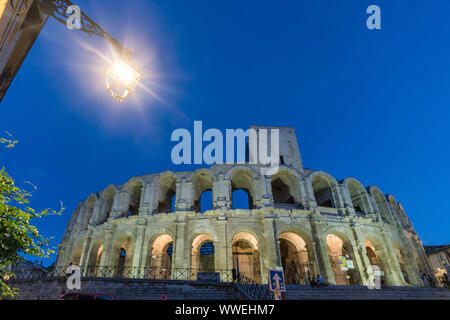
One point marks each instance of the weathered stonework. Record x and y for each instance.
(300, 219)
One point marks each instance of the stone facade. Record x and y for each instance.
(439, 257)
(299, 219)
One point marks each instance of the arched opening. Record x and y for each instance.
(285, 188)
(376, 261)
(95, 256)
(242, 189)
(323, 192)
(382, 205)
(121, 262)
(167, 194)
(241, 200)
(357, 195)
(294, 259)
(123, 257)
(202, 255)
(160, 258)
(246, 260)
(107, 204)
(135, 191)
(203, 196)
(76, 255)
(341, 258)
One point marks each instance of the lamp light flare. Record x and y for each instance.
(121, 79)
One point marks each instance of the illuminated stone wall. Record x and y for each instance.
(150, 214)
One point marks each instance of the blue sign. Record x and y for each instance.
(276, 281)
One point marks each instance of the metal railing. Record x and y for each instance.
(156, 273)
(252, 289)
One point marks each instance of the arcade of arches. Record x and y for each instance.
(232, 216)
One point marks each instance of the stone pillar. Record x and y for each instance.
(145, 205)
(303, 195)
(180, 254)
(185, 197)
(220, 251)
(119, 206)
(95, 214)
(222, 195)
(321, 248)
(271, 258)
(84, 259)
(138, 248)
(265, 186)
(396, 273)
(361, 260)
(107, 258)
(310, 198)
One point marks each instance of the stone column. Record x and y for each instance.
(220, 250)
(185, 201)
(95, 214)
(362, 261)
(321, 248)
(396, 273)
(119, 206)
(180, 256)
(310, 194)
(138, 246)
(265, 191)
(84, 259)
(107, 258)
(271, 258)
(222, 195)
(303, 195)
(145, 207)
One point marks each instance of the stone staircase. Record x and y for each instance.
(145, 289)
(130, 289)
(299, 292)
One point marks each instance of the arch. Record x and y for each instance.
(203, 184)
(285, 187)
(325, 189)
(242, 179)
(202, 254)
(295, 259)
(358, 195)
(377, 259)
(160, 257)
(382, 204)
(134, 189)
(95, 257)
(246, 257)
(107, 201)
(340, 251)
(122, 255)
(167, 190)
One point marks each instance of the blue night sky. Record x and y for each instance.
(373, 104)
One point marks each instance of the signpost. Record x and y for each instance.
(276, 283)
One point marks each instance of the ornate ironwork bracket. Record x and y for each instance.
(58, 10)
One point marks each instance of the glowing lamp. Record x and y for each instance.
(121, 79)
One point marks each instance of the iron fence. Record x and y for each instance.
(254, 290)
(125, 273)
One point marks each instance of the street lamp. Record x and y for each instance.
(121, 79)
(122, 76)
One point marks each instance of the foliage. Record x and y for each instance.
(18, 236)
